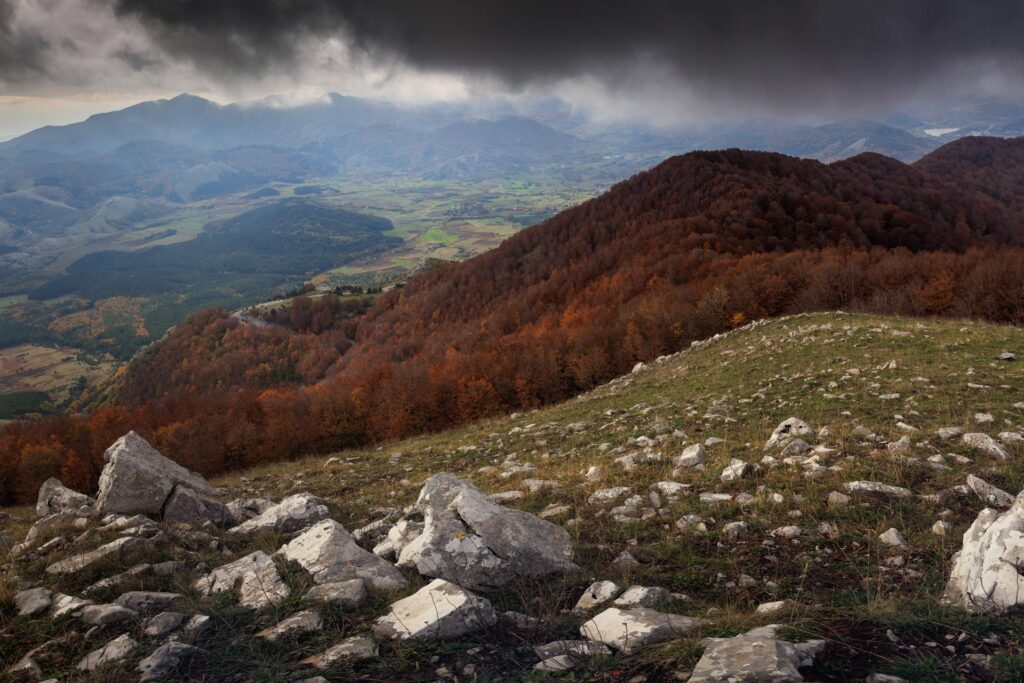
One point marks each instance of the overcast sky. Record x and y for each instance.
(666, 61)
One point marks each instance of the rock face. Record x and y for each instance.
(259, 584)
(987, 574)
(438, 611)
(54, 497)
(292, 514)
(757, 656)
(330, 554)
(630, 630)
(138, 479)
(472, 541)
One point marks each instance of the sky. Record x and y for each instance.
(663, 61)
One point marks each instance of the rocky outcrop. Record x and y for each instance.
(138, 479)
(438, 611)
(472, 541)
(329, 553)
(988, 571)
(54, 497)
(757, 656)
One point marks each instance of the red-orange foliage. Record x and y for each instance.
(693, 247)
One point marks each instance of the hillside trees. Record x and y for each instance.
(691, 248)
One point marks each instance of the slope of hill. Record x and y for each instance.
(991, 166)
(784, 530)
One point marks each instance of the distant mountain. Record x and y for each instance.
(197, 122)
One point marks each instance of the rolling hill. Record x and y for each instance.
(695, 246)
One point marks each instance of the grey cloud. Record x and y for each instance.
(23, 54)
(136, 60)
(799, 51)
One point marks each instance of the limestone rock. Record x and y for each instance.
(104, 615)
(734, 471)
(354, 648)
(186, 506)
(472, 541)
(244, 509)
(629, 630)
(399, 536)
(54, 497)
(349, 593)
(66, 604)
(991, 495)
(138, 479)
(757, 656)
(329, 553)
(893, 537)
(573, 648)
(115, 651)
(163, 623)
(438, 611)
(297, 624)
(876, 489)
(166, 660)
(786, 431)
(986, 574)
(691, 456)
(77, 563)
(596, 594)
(144, 601)
(986, 444)
(292, 514)
(33, 602)
(258, 581)
(643, 596)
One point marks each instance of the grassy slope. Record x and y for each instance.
(945, 373)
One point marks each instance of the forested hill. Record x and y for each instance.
(992, 166)
(698, 244)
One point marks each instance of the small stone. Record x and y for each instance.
(115, 651)
(347, 594)
(297, 624)
(893, 537)
(633, 629)
(643, 596)
(166, 660)
(438, 611)
(351, 649)
(33, 602)
(104, 615)
(596, 594)
(163, 623)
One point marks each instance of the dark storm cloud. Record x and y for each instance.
(136, 60)
(759, 49)
(22, 54)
